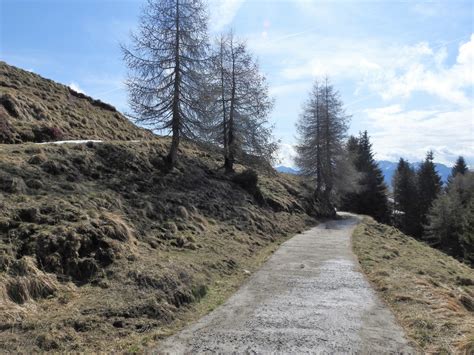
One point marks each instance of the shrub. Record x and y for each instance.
(47, 134)
(6, 135)
(9, 103)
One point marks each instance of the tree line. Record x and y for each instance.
(213, 91)
(343, 168)
(182, 83)
(346, 176)
(443, 216)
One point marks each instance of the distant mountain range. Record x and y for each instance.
(388, 168)
(287, 170)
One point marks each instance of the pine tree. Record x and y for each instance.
(450, 224)
(371, 199)
(165, 62)
(459, 167)
(405, 214)
(429, 186)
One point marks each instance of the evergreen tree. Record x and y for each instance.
(450, 224)
(371, 199)
(405, 214)
(166, 61)
(429, 186)
(459, 167)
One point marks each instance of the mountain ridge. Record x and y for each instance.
(388, 169)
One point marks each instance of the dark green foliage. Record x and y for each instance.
(371, 199)
(459, 167)
(405, 216)
(450, 224)
(429, 186)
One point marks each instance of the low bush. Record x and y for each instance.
(6, 134)
(47, 134)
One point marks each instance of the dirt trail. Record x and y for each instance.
(310, 297)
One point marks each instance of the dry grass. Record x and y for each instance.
(122, 252)
(30, 104)
(430, 293)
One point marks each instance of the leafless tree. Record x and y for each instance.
(166, 62)
(239, 111)
(322, 130)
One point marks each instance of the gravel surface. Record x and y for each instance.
(310, 297)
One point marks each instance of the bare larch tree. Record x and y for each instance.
(166, 60)
(320, 152)
(241, 103)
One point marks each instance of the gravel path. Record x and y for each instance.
(310, 297)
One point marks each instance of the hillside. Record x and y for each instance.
(100, 246)
(100, 243)
(34, 109)
(431, 293)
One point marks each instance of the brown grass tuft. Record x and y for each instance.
(421, 285)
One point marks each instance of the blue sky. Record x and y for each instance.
(404, 68)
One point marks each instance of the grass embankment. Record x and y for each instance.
(431, 293)
(35, 109)
(102, 249)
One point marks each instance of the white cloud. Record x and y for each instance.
(390, 71)
(286, 155)
(285, 89)
(223, 12)
(397, 132)
(76, 87)
(449, 83)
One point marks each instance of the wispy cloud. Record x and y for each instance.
(398, 132)
(391, 71)
(222, 13)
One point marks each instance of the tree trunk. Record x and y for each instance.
(318, 146)
(329, 182)
(176, 119)
(224, 113)
(229, 161)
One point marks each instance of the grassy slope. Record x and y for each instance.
(431, 294)
(101, 249)
(29, 102)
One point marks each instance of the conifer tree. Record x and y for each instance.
(371, 199)
(450, 224)
(405, 215)
(429, 186)
(240, 103)
(321, 154)
(459, 167)
(166, 61)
